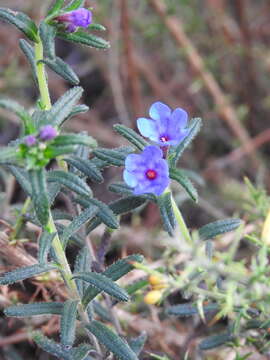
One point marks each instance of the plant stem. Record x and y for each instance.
(181, 222)
(20, 219)
(41, 76)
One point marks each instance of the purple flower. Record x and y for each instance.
(30, 140)
(166, 127)
(47, 133)
(147, 172)
(74, 19)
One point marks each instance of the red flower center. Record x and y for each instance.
(151, 174)
(164, 138)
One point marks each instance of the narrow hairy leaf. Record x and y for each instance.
(77, 223)
(29, 53)
(8, 156)
(63, 107)
(70, 181)
(22, 177)
(40, 195)
(51, 346)
(121, 188)
(56, 7)
(119, 207)
(101, 311)
(51, 152)
(75, 139)
(41, 308)
(86, 167)
(183, 180)
(103, 283)
(113, 157)
(21, 21)
(78, 109)
(190, 309)
(166, 212)
(19, 111)
(44, 245)
(24, 273)
(81, 352)
(131, 136)
(175, 153)
(214, 341)
(137, 344)
(83, 263)
(61, 68)
(81, 37)
(47, 34)
(216, 228)
(73, 5)
(113, 272)
(99, 27)
(105, 214)
(111, 341)
(68, 322)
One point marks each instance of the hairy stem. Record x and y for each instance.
(181, 222)
(20, 220)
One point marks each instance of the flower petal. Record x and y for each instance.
(133, 161)
(159, 111)
(179, 117)
(152, 152)
(130, 179)
(148, 128)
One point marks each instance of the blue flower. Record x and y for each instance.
(166, 127)
(147, 172)
(76, 18)
(47, 133)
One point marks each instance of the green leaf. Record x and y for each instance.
(184, 181)
(51, 152)
(84, 38)
(105, 214)
(113, 272)
(21, 21)
(8, 156)
(176, 152)
(96, 27)
(51, 346)
(214, 341)
(101, 311)
(61, 110)
(40, 308)
(86, 167)
(137, 344)
(113, 157)
(20, 111)
(78, 109)
(29, 53)
(80, 352)
(73, 5)
(71, 181)
(83, 263)
(24, 273)
(190, 309)
(103, 283)
(131, 136)
(75, 139)
(40, 195)
(61, 68)
(44, 245)
(120, 206)
(111, 341)
(121, 188)
(166, 212)
(22, 177)
(68, 322)
(54, 10)
(77, 223)
(47, 34)
(216, 228)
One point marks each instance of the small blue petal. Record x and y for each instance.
(179, 116)
(159, 111)
(148, 128)
(133, 161)
(151, 152)
(130, 179)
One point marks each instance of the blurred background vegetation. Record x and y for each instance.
(210, 57)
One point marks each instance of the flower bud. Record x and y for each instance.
(30, 140)
(74, 19)
(47, 133)
(153, 297)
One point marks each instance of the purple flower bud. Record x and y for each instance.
(147, 172)
(30, 140)
(47, 133)
(166, 127)
(74, 19)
